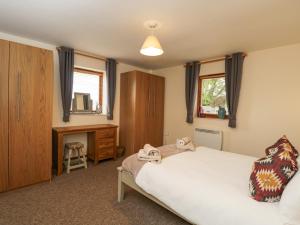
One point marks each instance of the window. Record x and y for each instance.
(211, 95)
(91, 82)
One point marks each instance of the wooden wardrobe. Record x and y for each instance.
(141, 110)
(26, 83)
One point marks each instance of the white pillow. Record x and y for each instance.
(289, 205)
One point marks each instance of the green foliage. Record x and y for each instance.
(213, 92)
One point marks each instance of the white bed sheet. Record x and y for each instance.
(208, 187)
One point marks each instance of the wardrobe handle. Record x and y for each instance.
(18, 96)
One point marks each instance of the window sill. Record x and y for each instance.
(87, 113)
(211, 116)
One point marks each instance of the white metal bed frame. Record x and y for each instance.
(126, 178)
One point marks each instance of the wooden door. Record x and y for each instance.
(156, 102)
(4, 62)
(158, 116)
(30, 115)
(142, 112)
(150, 120)
(127, 111)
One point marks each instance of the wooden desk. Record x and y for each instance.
(102, 139)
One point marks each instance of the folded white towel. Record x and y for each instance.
(152, 159)
(189, 146)
(185, 144)
(150, 150)
(150, 154)
(183, 141)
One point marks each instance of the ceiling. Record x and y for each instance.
(191, 29)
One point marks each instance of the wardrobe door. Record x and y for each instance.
(30, 109)
(159, 95)
(155, 120)
(4, 62)
(142, 111)
(127, 110)
(151, 128)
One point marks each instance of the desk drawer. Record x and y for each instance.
(105, 133)
(105, 153)
(105, 143)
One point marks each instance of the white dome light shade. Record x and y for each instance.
(151, 47)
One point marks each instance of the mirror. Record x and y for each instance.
(82, 102)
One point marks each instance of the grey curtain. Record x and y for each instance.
(233, 78)
(66, 67)
(191, 77)
(111, 69)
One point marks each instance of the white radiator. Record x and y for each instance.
(208, 138)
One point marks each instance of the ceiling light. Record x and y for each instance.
(151, 46)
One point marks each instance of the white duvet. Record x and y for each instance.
(208, 187)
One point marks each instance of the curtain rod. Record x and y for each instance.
(217, 59)
(87, 54)
(90, 55)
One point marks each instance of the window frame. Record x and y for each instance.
(199, 96)
(93, 72)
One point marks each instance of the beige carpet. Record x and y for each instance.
(83, 197)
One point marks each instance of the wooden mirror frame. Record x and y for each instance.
(90, 103)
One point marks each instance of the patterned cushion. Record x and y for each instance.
(282, 144)
(271, 174)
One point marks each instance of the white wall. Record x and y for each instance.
(269, 103)
(57, 106)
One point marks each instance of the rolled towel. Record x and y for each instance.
(183, 141)
(150, 150)
(152, 159)
(189, 146)
(185, 144)
(150, 154)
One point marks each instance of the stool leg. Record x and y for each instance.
(84, 159)
(69, 160)
(66, 153)
(78, 155)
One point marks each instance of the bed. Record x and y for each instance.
(205, 187)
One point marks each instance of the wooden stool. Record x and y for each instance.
(80, 161)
